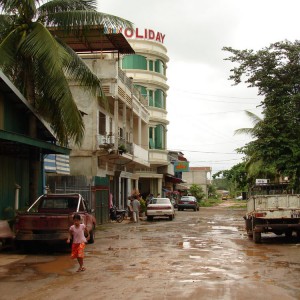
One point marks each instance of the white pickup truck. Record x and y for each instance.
(271, 208)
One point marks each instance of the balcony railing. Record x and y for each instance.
(128, 83)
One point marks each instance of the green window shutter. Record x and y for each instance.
(134, 62)
(159, 137)
(159, 67)
(142, 90)
(151, 142)
(150, 65)
(159, 99)
(150, 100)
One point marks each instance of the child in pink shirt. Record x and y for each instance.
(76, 232)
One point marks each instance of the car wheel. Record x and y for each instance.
(120, 218)
(171, 217)
(149, 218)
(92, 236)
(195, 208)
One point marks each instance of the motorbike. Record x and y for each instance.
(117, 214)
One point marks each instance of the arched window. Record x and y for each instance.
(134, 62)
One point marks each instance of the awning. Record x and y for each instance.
(16, 143)
(94, 40)
(181, 187)
(173, 179)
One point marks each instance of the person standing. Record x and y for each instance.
(76, 232)
(136, 208)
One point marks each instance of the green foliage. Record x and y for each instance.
(210, 202)
(41, 65)
(275, 71)
(196, 191)
(143, 206)
(212, 191)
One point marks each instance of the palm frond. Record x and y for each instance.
(56, 6)
(78, 71)
(8, 49)
(255, 119)
(40, 45)
(74, 20)
(247, 131)
(54, 100)
(24, 7)
(6, 25)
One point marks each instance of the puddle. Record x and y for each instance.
(186, 245)
(190, 280)
(61, 266)
(231, 228)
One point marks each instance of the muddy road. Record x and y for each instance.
(199, 255)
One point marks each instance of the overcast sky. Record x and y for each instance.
(204, 108)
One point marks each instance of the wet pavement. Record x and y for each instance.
(199, 255)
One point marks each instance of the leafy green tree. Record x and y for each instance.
(212, 191)
(41, 65)
(197, 191)
(275, 71)
(236, 178)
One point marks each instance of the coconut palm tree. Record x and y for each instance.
(255, 119)
(255, 166)
(41, 65)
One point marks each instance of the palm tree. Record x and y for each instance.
(256, 120)
(255, 166)
(40, 64)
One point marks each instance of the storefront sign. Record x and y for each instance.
(181, 166)
(137, 33)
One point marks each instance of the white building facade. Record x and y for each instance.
(147, 68)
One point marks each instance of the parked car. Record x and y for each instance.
(174, 203)
(50, 216)
(160, 207)
(188, 202)
(239, 198)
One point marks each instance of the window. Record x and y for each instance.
(150, 65)
(134, 62)
(142, 90)
(159, 67)
(159, 137)
(159, 99)
(150, 98)
(102, 123)
(151, 141)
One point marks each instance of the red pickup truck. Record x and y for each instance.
(50, 216)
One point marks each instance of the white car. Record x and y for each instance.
(160, 207)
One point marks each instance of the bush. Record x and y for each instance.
(143, 205)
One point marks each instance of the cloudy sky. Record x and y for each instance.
(204, 108)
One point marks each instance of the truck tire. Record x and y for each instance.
(288, 233)
(256, 237)
(250, 233)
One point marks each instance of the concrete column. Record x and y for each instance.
(116, 119)
(124, 121)
(159, 186)
(140, 131)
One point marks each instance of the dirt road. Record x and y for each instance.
(199, 255)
